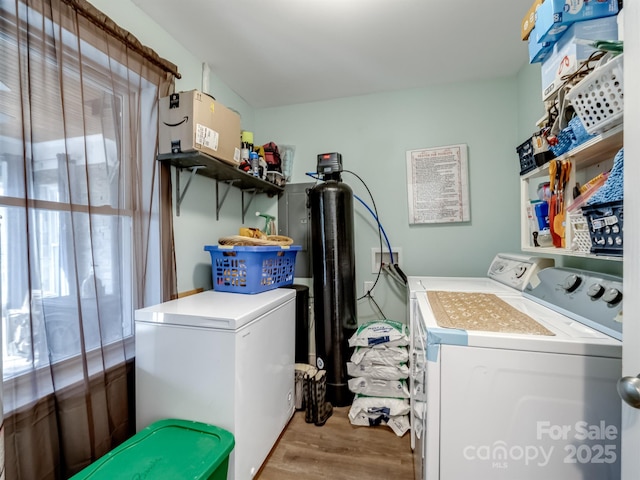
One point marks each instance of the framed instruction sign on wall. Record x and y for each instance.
(438, 184)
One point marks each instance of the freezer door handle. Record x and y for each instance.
(629, 390)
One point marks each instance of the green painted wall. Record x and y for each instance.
(373, 133)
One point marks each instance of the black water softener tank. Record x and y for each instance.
(334, 286)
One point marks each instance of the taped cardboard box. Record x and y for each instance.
(538, 52)
(570, 51)
(554, 17)
(194, 121)
(529, 21)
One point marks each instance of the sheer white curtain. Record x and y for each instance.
(81, 230)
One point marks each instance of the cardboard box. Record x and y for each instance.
(194, 121)
(554, 17)
(538, 52)
(568, 52)
(529, 20)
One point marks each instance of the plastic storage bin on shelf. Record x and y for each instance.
(167, 449)
(581, 239)
(605, 221)
(599, 97)
(533, 153)
(240, 269)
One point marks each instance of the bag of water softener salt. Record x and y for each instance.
(388, 406)
(382, 372)
(400, 424)
(388, 332)
(380, 355)
(371, 411)
(377, 387)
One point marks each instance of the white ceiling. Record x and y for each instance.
(282, 52)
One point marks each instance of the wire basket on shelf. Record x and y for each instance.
(598, 98)
(580, 237)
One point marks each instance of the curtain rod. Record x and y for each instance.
(102, 21)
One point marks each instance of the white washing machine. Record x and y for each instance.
(538, 401)
(221, 358)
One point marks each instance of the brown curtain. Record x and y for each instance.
(85, 229)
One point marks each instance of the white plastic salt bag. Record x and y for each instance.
(388, 332)
(385, 405)
(370, 411)
(400, 424)
(383, 372)
(380, 355)
(378, 387)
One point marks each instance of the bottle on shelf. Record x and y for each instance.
(254, 161)
(246, 140)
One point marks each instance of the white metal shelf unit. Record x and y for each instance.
(587, 160)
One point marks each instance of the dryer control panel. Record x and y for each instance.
(591, 298)
(517, 271)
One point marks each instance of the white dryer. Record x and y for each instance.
(505, 399)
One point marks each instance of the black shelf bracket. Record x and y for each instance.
(220, 201)
(245, 208)
(180, 196)
(208, 166)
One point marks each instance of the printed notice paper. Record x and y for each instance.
(438, 184)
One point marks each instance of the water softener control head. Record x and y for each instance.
(329, 163)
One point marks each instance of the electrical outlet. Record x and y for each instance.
(377, 257)
(367, 286)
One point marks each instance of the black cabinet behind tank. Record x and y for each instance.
(293, 221)
(302, 323)
(334, 288)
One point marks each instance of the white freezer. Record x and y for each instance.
(220, 358)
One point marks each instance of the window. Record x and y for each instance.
(70, 196)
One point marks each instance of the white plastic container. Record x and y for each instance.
(599, 98)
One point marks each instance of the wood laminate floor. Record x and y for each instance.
(338, 451)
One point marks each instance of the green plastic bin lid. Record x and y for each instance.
(167, 449)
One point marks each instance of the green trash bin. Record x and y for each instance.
(168, 449)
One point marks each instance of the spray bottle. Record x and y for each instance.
(269, 225)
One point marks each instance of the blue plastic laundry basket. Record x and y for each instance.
(250, 270)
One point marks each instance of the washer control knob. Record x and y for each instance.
(595, 291)
(520, 271)
(612, 296)
(572, 282)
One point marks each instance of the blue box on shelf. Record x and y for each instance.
(553, 17)
(567, 54)
(254, 269)
(538, 51)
